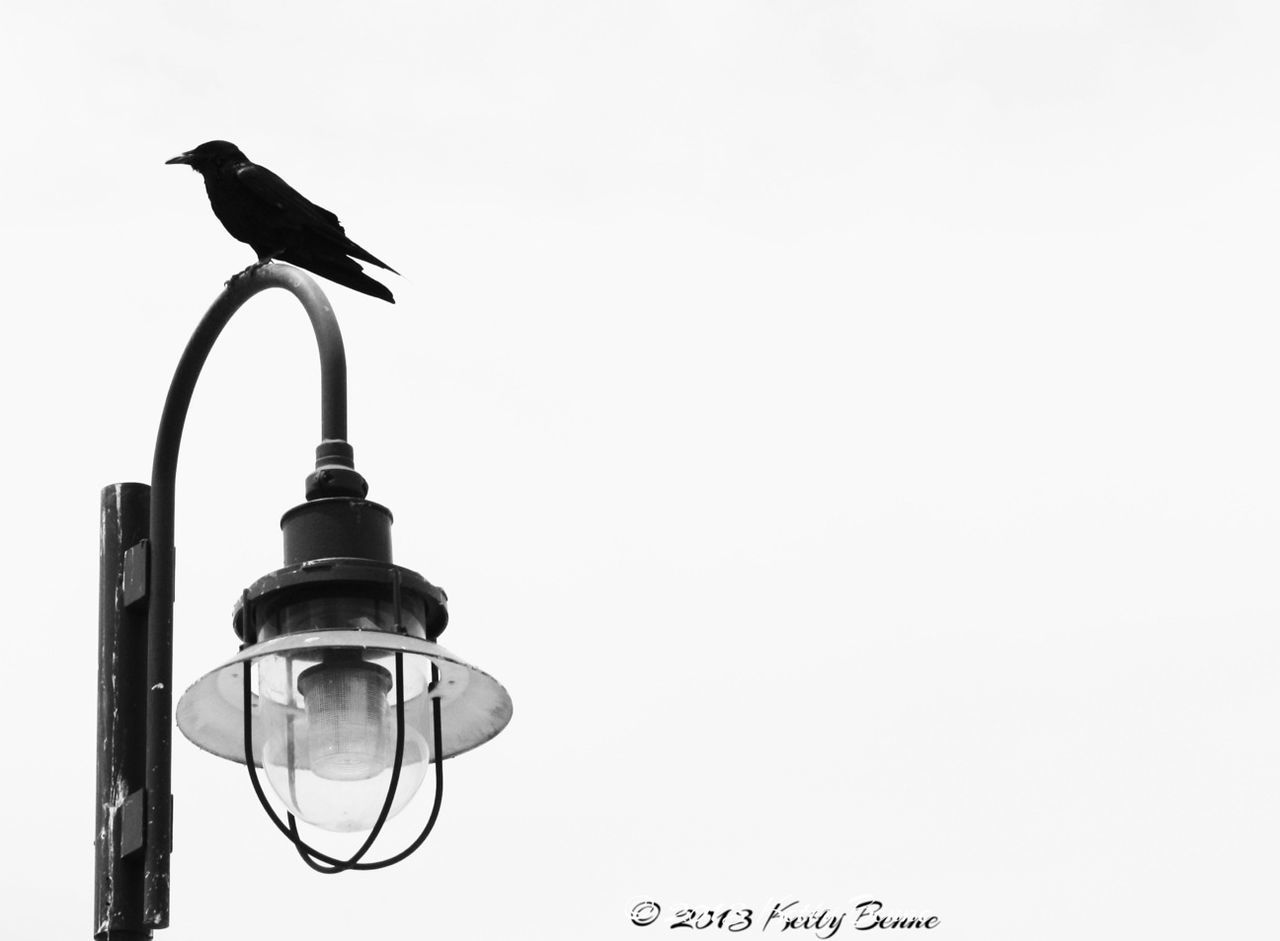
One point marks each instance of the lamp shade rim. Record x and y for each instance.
(474, 706)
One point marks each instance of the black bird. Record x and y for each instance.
(259, 208)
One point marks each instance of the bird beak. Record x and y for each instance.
(181, 158)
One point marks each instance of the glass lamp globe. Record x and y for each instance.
(331, 734)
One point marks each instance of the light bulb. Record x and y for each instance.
(330, 741)
(346, 707)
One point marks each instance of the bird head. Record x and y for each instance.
(211, 155)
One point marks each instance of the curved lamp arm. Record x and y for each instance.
(160, 581)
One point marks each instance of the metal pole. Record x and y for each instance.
(333, 451)
(122, 675)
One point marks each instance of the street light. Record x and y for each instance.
(339, 690)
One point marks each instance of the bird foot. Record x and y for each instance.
(246, 272)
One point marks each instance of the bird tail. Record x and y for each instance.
(340, 270)
(354, 250)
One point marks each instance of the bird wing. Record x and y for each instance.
(268, 187)
(302, 212)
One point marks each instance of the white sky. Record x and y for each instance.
(847, 429)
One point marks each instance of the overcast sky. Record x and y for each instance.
(848, 429)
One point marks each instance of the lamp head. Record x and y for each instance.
(321, 637)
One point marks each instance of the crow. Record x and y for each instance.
(277, 221)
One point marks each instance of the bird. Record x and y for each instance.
(278, 222)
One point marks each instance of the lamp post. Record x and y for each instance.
(339, 689)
